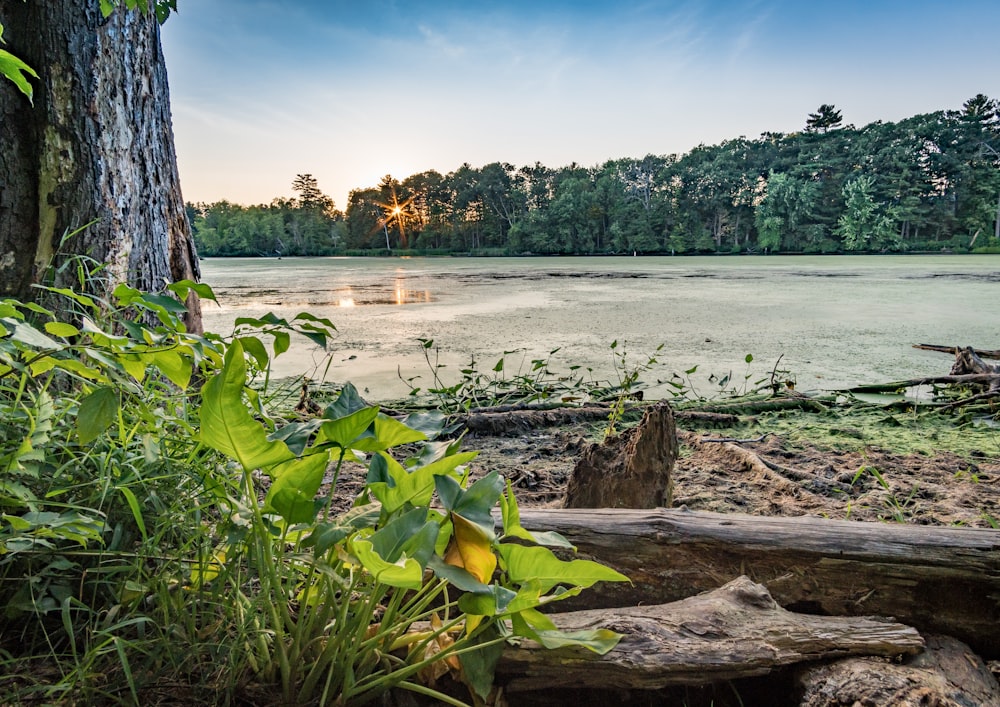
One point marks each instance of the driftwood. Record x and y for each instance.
(512, 420)
(966, 379)
(945, 673)
(735, 631)
(941, 580)
(630, 470)
(982, 353)
(968, 363)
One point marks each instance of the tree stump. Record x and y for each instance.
(947, 673)
(967, 362)
(630, 470)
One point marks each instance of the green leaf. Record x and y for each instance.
(24, 333)
(511, 515)
(97, 412)
(410, 534)
(61, 329)
(17, 71)
(327, 534)
(347, 403)
(479, 665)
(430, 423)
(533, 624)
(133, 504)
(255, 347)
(282, 341)
(293, 491)
(389, 433)
(344, 431)
(183, 287)
(542, 569)
(227, 426)
(394, 486)
(177, 367)
(405, 573)
(476, 503)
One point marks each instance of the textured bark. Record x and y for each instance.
(97, 146)
(735, 631)
(631, 470)
(940, 580)
(946, 674)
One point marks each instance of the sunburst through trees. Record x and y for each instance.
(395, 213)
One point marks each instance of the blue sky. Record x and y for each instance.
(351, 91)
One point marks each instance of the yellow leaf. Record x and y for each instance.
(470, 548)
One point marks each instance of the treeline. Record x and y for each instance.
(926, 183)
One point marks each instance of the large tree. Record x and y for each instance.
(93, 156)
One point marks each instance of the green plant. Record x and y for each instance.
(627, 387)
(153, 528)
(321, 578)
(506, 383)
(899, 508)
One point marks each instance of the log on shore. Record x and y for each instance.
(514, 420)
(945, 673)
(982, 353)
(732, 632)
(940, 580)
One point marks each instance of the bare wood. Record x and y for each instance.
(942, 580)
(735, 631)
(966, 379)
(630, 470)
(947, 672)
(982, 353)
(517, 419)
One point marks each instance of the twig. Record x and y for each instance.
(738, 441)
(971, 399)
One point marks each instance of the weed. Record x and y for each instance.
(157, 529)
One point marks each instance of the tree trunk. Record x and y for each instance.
(943, 580)
(732, 632)
(96, 148)
(630, 470)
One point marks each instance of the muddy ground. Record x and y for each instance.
(859, 464)
(798, 477)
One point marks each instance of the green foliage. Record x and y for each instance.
(16, 70)
(159, 522)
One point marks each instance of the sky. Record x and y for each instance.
(350, 91)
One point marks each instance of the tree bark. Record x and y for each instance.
(96, 148)
(941, 580)
(630, 470)
(945, 673)
(733, 632)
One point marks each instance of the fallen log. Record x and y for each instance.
(982, 353)
(513, 420)
(945, 673)
(965, 379)
(940, 580)
(732, 632)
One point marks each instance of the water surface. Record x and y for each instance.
(835, 321)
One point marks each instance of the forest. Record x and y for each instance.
(928, 183)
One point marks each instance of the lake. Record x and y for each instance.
(835, 321)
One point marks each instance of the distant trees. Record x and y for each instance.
(307, 225)
(924, 183)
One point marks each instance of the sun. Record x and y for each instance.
(398, 213)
